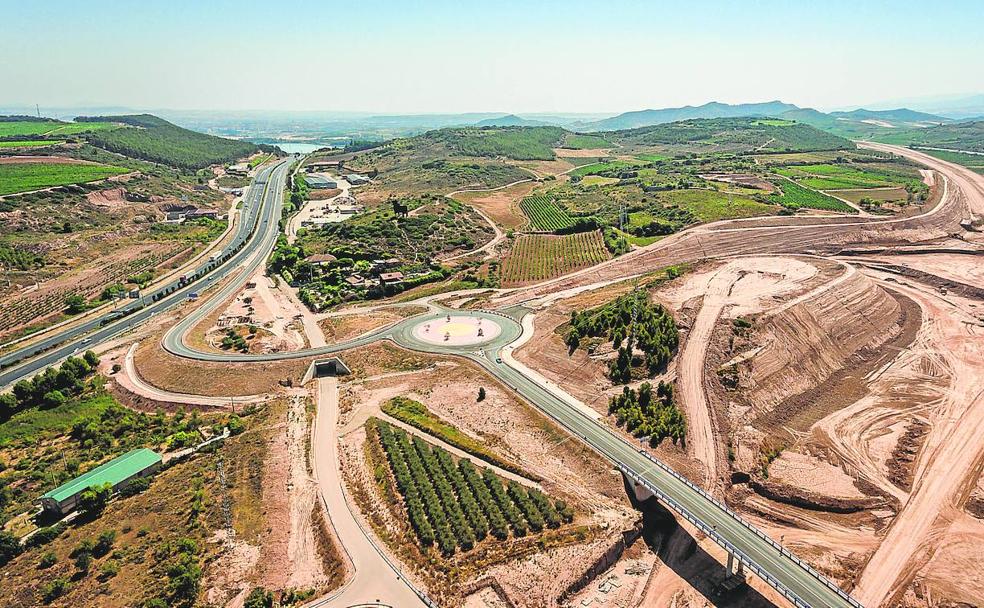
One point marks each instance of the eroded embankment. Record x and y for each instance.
(815, 353)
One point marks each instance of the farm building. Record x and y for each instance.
(323, 165)
(320, 259)
(117, 472)
(320, 182)
(391, 278)
(356, 180)
(238, 170)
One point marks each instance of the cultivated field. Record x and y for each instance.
(794, 196)
(545, 214)
(536, 257)
(48, 128)
(24, 177)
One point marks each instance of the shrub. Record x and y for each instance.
(135, 486)
(44, 536)
(108, 570)
(94, 500)
(9, 547)
(104, 543)
(47, 560)
(259, 598)
(54, 590)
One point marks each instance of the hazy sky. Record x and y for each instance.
(454, 56)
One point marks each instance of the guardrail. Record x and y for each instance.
(704, 494)
(743, 558)
(771, 580)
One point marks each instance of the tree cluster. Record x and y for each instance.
(632, 322)
(52, 388)
(645, 413)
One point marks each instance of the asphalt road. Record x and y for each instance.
(257, 220)
(760, 554)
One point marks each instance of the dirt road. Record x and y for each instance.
(950, 460)
(129, 379)
(375, 579)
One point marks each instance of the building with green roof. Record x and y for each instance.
(117, 472)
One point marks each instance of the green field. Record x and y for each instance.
(537, 257)
(711, 206)
(596, 168)
(585, 142)
(30, 143)
(20, 128)
(651, 158)
(544, 214)
(23, 177)
(794, 196)
(597, 180)
(840, 177)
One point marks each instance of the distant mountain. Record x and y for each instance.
(510, 120)
(957, 107)
(898, 115)
(714, 109)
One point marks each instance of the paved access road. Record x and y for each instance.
(777, 566)
(791, 577)
(260, 216)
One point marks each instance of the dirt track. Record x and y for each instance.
(963, 191)
(950, 461)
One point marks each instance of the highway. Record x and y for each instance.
(260, 213)
(759, 554)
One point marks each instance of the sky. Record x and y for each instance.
(461, 56)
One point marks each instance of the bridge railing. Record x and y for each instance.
(743, 558)
(785, 552)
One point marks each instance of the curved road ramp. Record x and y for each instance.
(749, 547)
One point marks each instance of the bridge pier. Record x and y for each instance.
(732, 562)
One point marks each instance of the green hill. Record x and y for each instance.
(510, 120)
(151, 138)
(516, 143)
(733, 135)
(714, 109)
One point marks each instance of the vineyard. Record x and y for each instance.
(537, 257)
(794, 196)
(544, 214)
(452, 506)
(42, 302)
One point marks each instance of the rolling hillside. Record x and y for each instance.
(645, 118)
(151, 138)
(733, 135)
(516, 143)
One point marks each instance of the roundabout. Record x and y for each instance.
(457, 330)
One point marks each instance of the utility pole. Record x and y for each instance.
(37, 108)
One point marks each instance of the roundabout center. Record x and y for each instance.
(457, 330)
